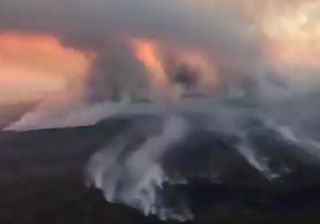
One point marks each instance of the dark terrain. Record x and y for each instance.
(42, 181)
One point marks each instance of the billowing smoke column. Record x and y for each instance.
(204, 100)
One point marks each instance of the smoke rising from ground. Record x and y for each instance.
(201, 72)
(236, 141)
(137, 181)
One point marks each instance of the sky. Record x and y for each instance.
(105, 48)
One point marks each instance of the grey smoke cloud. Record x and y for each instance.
(221, 29)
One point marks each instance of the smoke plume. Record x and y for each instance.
(213, 90)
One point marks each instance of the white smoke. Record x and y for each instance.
(47, 116)
(136, 180)
(136, 176)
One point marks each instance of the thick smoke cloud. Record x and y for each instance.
(224, 30)
(221, 29)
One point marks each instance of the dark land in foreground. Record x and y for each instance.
(42, 182)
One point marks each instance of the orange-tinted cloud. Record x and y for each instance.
(296, 32)
(148, 53)
(32, 66)
(243, 36)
